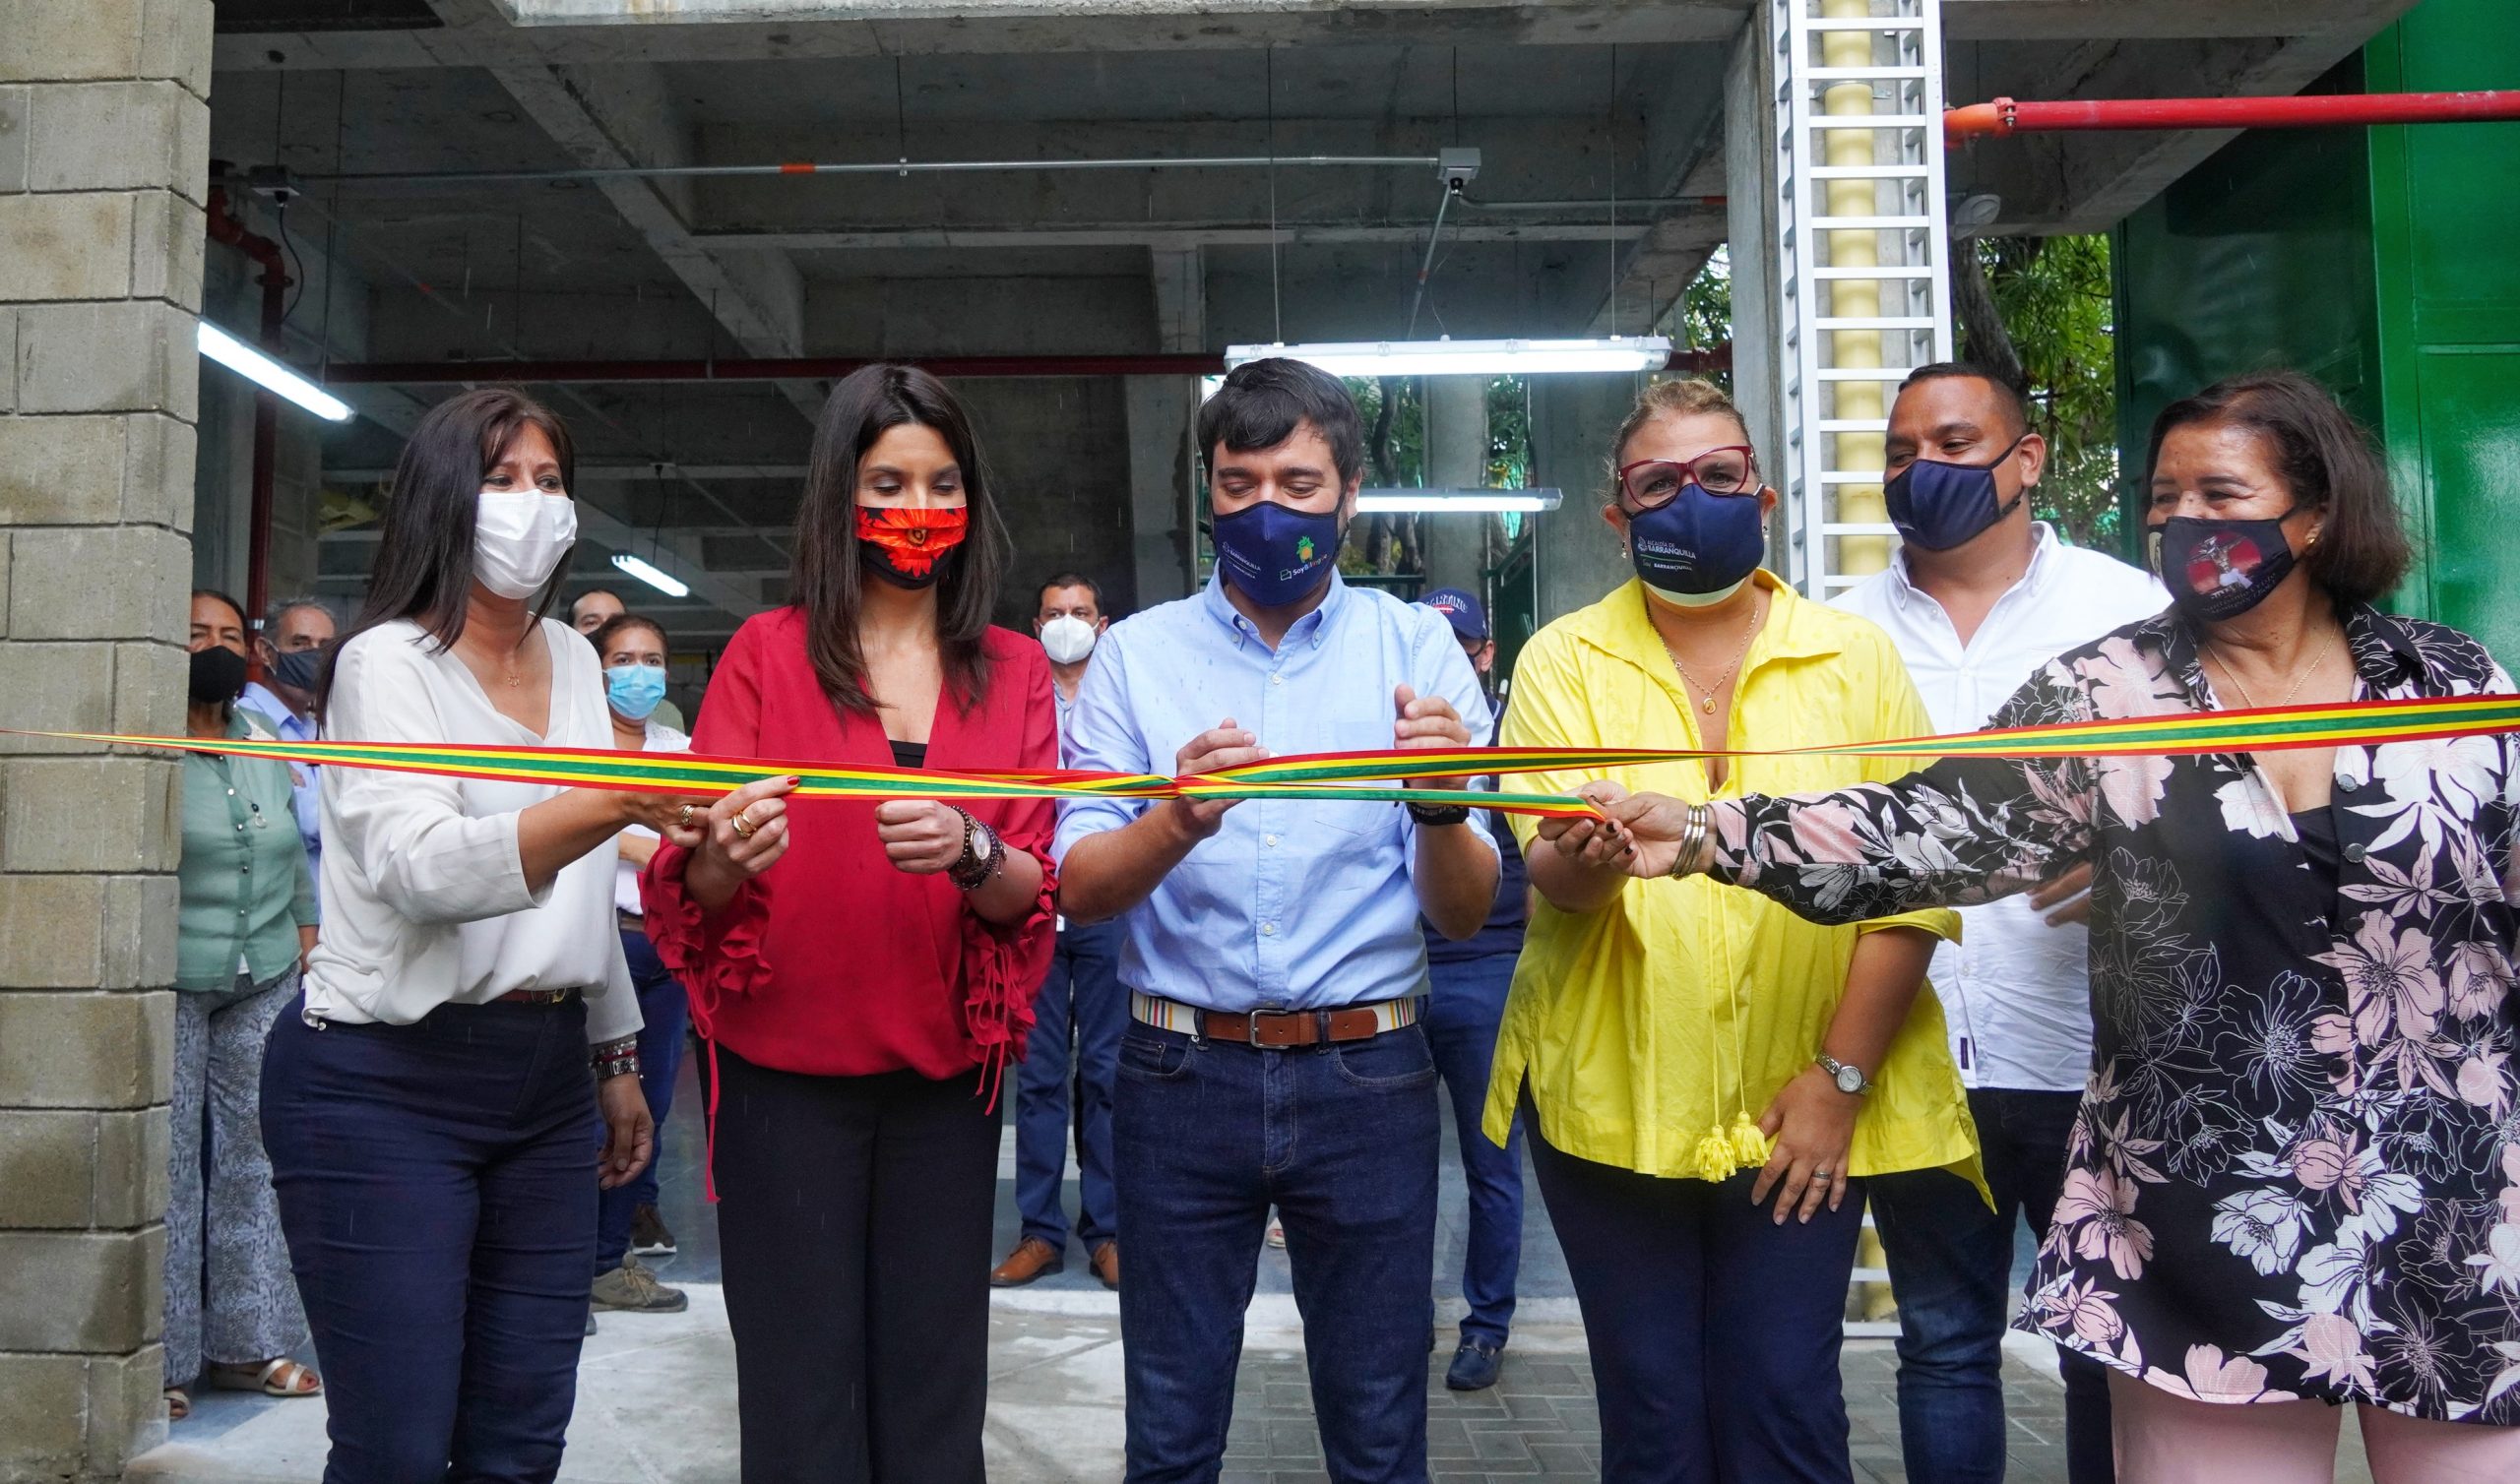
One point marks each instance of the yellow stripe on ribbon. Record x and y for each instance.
(1367, 777)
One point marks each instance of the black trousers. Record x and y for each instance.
(853, 1224)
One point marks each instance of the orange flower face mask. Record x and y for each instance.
(904, 545)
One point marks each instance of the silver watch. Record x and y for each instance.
(1851, 1079)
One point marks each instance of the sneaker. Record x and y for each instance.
(1474, 1366)
(649, 1237)
(589, 1321)
(632, 1289)
(1277, 1233)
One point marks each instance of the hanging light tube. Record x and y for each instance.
(654, 576)
(261, 369)
(1451, 357)
(1460, 502)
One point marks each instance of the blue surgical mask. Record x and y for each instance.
(1938, 506)
(635, 689)
(1700, 548)
(1277, 555)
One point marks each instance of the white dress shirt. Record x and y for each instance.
(626, 879)
(425, 901)
(2015, 992)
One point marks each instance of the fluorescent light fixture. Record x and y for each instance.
(654, 576)
(1450, 357)
(255, 367)
(1454, 501)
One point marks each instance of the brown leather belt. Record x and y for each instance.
(538, 996)
(1290, 1028)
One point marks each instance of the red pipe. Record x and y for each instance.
(2004, 117)
(792, 368)
(225, 227)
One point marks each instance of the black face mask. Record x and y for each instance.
(218, 675)
(297, 668)
(2217, 570)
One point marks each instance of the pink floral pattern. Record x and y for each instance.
(2296, 1172)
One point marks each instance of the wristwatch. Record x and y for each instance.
(1851, 1079)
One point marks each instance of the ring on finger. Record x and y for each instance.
(682, 820)
(742, 827)
(1824, 1174)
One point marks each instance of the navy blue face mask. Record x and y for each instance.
(1698, 548)
(1276, 555)
(1938, 506)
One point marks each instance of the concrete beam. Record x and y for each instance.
(1168, 238)
(2056, 183)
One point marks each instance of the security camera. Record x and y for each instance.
(1456, 168)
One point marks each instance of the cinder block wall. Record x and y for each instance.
(105, 129)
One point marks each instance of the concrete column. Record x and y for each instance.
(1574, 419)
(1162, 412)
(104, 126)
(1455, 547)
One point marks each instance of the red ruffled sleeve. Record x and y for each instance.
(1003, 971)
(715, 954)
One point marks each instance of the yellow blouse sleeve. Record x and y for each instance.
(1546, 710)
(1898, 711)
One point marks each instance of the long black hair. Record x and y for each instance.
(423, 569)
(826, 584)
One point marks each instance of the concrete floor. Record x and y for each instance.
(656, 1393)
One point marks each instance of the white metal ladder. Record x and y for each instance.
(1864, 286)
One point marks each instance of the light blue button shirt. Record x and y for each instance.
(304, 794)
(1293, 904)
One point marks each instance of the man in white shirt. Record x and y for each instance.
(1978, 597)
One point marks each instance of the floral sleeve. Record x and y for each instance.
(1963, 830)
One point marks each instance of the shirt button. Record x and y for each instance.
(1268, 930)
(1269, 840)
(1277, 679)
(2355, 852)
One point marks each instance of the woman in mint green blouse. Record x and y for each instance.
(246, 917)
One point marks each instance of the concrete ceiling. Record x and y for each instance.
(1596, 123)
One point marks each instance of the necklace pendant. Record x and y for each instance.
(1707, 706)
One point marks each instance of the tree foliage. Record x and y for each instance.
(2054, 309)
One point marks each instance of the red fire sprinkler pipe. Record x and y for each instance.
(2005, 116)
(225, 227)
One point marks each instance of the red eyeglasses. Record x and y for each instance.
(1651, 483)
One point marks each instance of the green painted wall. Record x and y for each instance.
(2382, 261)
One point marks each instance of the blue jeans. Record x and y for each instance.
(1075, 1049)
(665, 1011)
(1713, 1331)
(1950, 1263)
(1462, 1017)
(1343, 1140)
(432, 1182)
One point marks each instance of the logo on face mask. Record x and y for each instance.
(2221, 569)
(1274, 554)
(1698, 548)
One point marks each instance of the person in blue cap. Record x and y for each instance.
(1469, 980)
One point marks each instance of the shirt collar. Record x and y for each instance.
(1619, 626)
(1310, 629)
(2033, 578)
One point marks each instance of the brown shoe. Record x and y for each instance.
(1105, 1265)
(1030, 1259)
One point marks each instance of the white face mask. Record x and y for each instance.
(519, 536)
(1068, 639)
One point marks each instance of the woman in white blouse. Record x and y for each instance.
(427, 1106)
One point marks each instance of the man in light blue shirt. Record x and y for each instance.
(290, 647)
(1273, 950)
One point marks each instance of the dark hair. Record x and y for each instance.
(2005, 391)
(424, 568)
(601, 638)
(590, 592)
(826, 581)
(2328, 462)
(1070, 580)
(233, 606)
(1262, 402)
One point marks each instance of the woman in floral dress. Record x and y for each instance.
(2297, 1170)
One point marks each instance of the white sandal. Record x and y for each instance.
(274, 1377)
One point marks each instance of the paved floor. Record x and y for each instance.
(656, 1393)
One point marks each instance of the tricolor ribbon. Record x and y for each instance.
(1371, 777)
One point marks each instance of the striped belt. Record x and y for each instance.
(1275, 1027)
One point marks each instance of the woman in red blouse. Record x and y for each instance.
(861, 999)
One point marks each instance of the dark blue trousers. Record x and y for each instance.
(1463, 1013)
(666, 1011)
(1343, 1140)
(1065, 1081)
(433, 1183)
(1713, 1331)
(1950, 1263)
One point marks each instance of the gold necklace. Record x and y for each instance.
(2241, 686)
(1686, 679)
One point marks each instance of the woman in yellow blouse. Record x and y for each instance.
(1708, 1077)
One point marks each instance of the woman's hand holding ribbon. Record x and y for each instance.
(919, 835)
(733, 840)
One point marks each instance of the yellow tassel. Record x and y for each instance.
(1750, 1147)
(1715, 1156)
